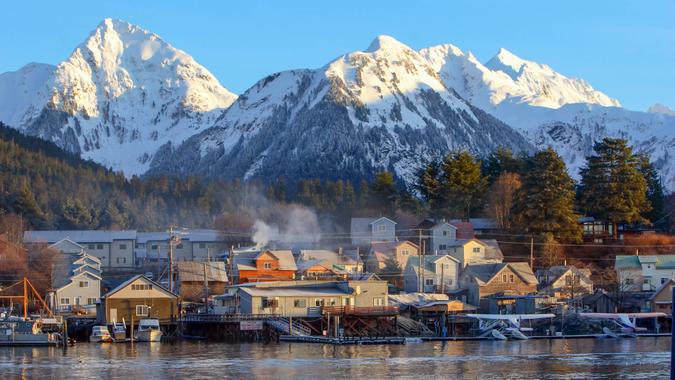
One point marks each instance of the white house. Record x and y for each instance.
(442, 236)
(565, 281)
(440, 274)
(644, 272)
(367, 230)
(475, 251)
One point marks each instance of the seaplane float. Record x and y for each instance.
(505, 326)
(624, 323)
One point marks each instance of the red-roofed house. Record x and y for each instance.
(464, 229)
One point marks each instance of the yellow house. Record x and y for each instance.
(381, 251)
(662, 299)
(475, 251)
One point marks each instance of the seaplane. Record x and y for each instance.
(505, 326)
(625, 322)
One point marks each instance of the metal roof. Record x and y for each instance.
(194, 271)
(79, 236)
(302, 291)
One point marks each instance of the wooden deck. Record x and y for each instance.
(356, 310)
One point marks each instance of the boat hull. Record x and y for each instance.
(149, 336)
(100, 339)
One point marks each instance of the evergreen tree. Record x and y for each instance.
(383, 192)
(392, 271)
(501, 161)
(27, 206)
(655, 194)
(612, 187)
(429, 187)
(545, 201)
(463, 184)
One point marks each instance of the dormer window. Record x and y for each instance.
(267, 265)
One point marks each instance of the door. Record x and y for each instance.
(113, 315)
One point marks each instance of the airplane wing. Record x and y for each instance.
(620, 315)
(510, 316)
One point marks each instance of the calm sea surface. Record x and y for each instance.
(642, 358)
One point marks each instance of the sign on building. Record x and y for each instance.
(250, 325)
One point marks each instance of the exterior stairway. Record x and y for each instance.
(281, 324)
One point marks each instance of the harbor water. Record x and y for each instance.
(641, 358)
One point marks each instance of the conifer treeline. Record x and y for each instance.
(52, 188)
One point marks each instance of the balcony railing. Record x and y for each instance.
(357, 310)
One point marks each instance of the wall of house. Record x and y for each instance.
(202, 250)
(441, 237)
(164, 309)
(383, 230)
(194, 290)
(73, 291)
(265, 275)
(122, 253)
(404, 252)
(100, 251)
(498, 285)
(583, 287)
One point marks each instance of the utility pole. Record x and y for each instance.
(423, 265)
(206, 291)
(172, 239)
(532, 253)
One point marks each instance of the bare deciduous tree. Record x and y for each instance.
(500, 198)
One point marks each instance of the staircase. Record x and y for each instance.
(281, 324)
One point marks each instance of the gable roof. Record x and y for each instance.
(333, 257)
(464, 229)
(484, 273)
(389, 246)
(79, 236)
(67, 242)
(194, 271)
(383, 218)
(444, 224)
(463, 242)
(246, 260)
(558, 271)
(429, 261)
(635, 261)
(128, 282)
(667, 284)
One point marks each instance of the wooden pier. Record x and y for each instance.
(344, 340)
(231, 328)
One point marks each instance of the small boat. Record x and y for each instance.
(119, 331)
(148, 330)
(15, 331)
(100, 334)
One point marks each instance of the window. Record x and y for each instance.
(300, 303)
(347, 302)
(179, 246)
(476, 250)
(118, 260)
(503, 278)
(446, 266)
(99, 246)
(123, 246)
(141, 287)
(124, 260)
(442, 246)
(141, 310)
(65, 301)
(91, 301)
(270, 303)
(267, 265)
(378, 301)
(318, 302)
(202, 245)
(91, 246)
(646, 281)
(154, 246)
(381, 228)
(449, 281)
(445, 233)
(331, 302)
(429, 281)
(405, 252)
(84, 284)
(511, 278)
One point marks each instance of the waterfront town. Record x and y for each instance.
(388, 283)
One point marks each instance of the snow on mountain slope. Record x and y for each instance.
(551, 109)
(660, 108)
(18, 90)
(383, 108)
(121, 94)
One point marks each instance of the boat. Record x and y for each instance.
(19, 332)
(100, 334)
(119, 331)
(148, 330)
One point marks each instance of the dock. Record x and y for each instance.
(342, 341)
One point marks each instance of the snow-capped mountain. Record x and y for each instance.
(120, 95)
(660, 108)
(551, 109)
(383, 108)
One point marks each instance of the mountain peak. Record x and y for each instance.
(660, 108)
(384, 42)
(506, 62)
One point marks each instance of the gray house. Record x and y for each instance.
(440, 274)
(367, 230)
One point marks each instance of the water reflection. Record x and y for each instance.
(588, 358)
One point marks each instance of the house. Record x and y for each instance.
(442, 236)
(465, 229)
(367, 230)
(380, 252)
(644, 272)
(76, 280)
(68, 246)
(482, 226)
(137, 298)
(337, 260)
(268, 265)
(662, 299)
(307, 298)
(193, 245)
(194, 276)
(475, 251)
(565, 281)
(319, 269)
(440, 274)
(482, 280)
(115, 249)
(599, 302)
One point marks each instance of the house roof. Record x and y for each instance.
(635, 261)
(194, 271)
(464, 229)
(193, 235)
(300, 291)
(462, 242)
(560, 270)
(307, 264)
(484, 273)
(333, 258)
(246, 260)
(592, 298)
(667, 284)
(443, 224)
(128, 282)
(67, 241)
(389, 246)
(79, 236)
(363, 225)
(483, 223)
(429, 261)
(416, 299)
(66, 266)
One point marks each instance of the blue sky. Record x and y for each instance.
(623, 48)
